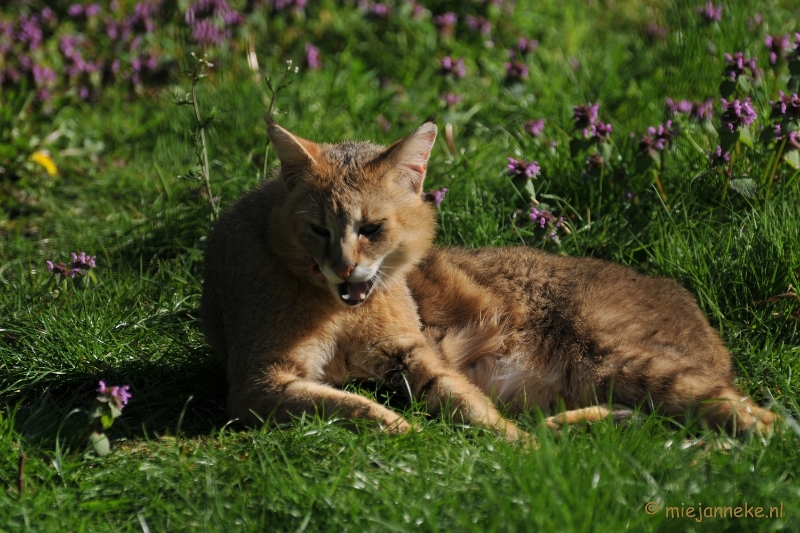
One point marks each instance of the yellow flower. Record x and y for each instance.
(43, 158)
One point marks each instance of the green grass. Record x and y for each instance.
(177, 465)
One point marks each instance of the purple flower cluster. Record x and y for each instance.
(446, 23)
(516, 70)
(585, 117)
(657, 138)
(656, 32)
(456, 68)
(107, 45)
(80, 263)
(719, 158)
(737, 113)
(294, 5)
(374, 9)
(479, 24)
(787, 105)
(543, 217)
(118, 394)
(695, 110)
(535, 127)
(738, 65)
(520, 167)
(313, 60)
(435, 196)
(525, 46)
(81, 11)
(779, 46)
(792, 140)
(710, 13)
(211, 21)
(451, 99)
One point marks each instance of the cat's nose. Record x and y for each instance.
(344, 271)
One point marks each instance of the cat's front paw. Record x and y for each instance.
(397, 426)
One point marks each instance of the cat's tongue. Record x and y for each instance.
(354, 292)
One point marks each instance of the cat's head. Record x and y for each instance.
(354, 210)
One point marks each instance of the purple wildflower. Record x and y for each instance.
(119, 394)
(457, 68)
(435, 196)
(786, 105)
(657, 138)
(738, 64)
(451, 99)
(83, 261)
(479, 24)
(383, 123)
(719, 158)
(702, 110)
(43, 76)
(737, 114)
(755, 21)
(535, 127)
(30, 31)
(682, 106)
(585, 115)
(778, 46)
(793, 143)
(546, 219)
(294, 5)
(598, 131)
(518, 168)
(312, 57)
(656, 32)
(210, 19)
(379, 10)
(75, 10)
(526, 46)
(710, 12)
(60, 269)
(92, 10)
(516, 70)
(446, 23)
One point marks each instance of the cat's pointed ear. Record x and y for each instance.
(293, 151)
(411, 155)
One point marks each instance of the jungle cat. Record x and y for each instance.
(326, 272)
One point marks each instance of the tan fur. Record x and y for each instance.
(465, 329)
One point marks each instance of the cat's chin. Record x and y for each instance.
(353, 293)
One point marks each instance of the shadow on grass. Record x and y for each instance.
(182, 392)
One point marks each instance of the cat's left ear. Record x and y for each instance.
(411, 155)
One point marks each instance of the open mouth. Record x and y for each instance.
(354, 292)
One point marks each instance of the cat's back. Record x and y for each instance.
(240, 266)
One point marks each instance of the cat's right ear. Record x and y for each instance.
(294, 152)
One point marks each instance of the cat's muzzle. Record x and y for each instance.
(354, 292)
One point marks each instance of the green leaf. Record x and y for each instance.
(793, 85)
(744, 84)
(605, 150)
(745, 186)
(727, 139)
(746, 136)
(100, 443)
(794, 68)
(792, 159)
(578, 146)
(107, 421)
(727, 88)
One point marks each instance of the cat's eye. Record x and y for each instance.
(319, 230)
(369, 230)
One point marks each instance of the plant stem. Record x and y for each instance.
(771, 177)
(729, 172)
(204, 162)
(660, 187)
